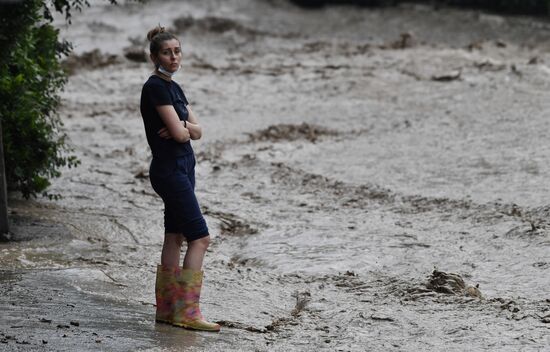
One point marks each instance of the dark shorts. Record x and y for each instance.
(174, 182)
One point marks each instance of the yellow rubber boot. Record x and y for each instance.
(166, 288)
(187, 313)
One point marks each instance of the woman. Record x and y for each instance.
(170, 124)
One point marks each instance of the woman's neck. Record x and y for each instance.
(163, 76)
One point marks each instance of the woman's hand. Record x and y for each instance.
(165, 133)
(195, 129)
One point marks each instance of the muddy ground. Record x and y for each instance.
(352, 160)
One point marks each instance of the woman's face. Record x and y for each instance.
(169, 55)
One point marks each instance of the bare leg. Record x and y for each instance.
(195, 253)
(171, 250)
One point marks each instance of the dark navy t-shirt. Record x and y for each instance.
(157, 92)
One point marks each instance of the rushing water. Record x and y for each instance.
(347, 153)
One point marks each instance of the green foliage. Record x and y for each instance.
(65, 7)
(30, 77)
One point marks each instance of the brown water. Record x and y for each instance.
(341, 164)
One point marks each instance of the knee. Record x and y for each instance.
(174, 239)
(201, 243)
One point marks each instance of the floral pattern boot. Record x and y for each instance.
(165, 288)
(187, 313)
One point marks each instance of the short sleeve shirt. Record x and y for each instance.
(157, 92)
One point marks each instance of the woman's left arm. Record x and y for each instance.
(195, 130)
(192, 124)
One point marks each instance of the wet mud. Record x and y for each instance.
(374, 179)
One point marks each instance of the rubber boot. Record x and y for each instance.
(165, 290)
(187, 313)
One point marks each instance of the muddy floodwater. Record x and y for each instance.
(374, 180)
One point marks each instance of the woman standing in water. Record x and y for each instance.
(170, 124)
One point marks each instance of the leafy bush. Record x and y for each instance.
(30, 77)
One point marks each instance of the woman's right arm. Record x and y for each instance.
(170, 118)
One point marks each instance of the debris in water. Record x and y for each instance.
(474, 291)
(406, 40)
(142, 173)
(450, 283)
(302, 299)
(515, 71)
(446, 283)
(447, 77)
(214, 24)
(230, 224)
(475, 46)
(291, 132)
(237, 325)
(136, 54)
(373, 317)
(490, 65)
(90, 60)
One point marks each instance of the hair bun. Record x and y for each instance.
(155, 31)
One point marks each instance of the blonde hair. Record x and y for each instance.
(156, 36)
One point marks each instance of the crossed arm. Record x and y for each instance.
(178, 130)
